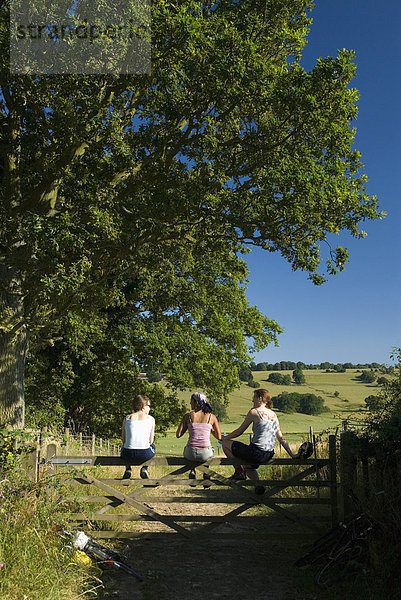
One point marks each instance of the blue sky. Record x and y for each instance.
(355, 316)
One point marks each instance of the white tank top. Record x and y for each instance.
(137, 433)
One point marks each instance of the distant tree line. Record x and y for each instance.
(285, 365)
(278, 366)
(245, 374)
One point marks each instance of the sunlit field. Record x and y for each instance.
(348, 404)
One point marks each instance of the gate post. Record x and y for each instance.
(333, 479)
(348, 472)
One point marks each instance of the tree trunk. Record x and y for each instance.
(13, 347)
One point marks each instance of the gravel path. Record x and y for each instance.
(248, 560)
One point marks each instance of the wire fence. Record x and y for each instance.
(76, 443)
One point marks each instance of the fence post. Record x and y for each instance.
(93, 444)
(317, 470)
(30, 464)
(67, 439)
(348, 466)
(51, 451)
(43, 437)
(333, 479)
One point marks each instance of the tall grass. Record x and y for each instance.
(35, 563)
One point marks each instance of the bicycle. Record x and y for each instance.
(343, 548)
(102, 554)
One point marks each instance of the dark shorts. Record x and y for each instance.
(251, 454)
(138, 457)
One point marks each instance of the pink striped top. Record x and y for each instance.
(199, 434)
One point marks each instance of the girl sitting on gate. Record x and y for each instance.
(266, 428)
(137, 435)
(200, 423)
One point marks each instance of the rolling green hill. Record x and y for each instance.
(349, 404)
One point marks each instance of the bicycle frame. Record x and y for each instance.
(341, 546)
(82, 542)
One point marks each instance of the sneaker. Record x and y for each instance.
(192, 474)
(143, 473)
(259, 489)
(206, 481)
(127, 474)
(238, 476)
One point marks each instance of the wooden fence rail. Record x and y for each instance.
(143, 496)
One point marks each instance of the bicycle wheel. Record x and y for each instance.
(110, 557)
(127, 569)
(346, 561)
(322, 547)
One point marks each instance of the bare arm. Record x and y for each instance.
(216, 428)
(182, 427)
(152, 434)
(284, 443)
(240, 430)
(123, 432)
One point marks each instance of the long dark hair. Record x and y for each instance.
(201, 401)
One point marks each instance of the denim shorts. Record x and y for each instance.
(137, 457)
(251, 454)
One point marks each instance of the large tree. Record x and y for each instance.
(135, 194)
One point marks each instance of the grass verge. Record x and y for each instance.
(35, 563)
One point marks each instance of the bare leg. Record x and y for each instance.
(252, 474)
(228, 452)
(226, 444)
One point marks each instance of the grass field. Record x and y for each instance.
(349, 404)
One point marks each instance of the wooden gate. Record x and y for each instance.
(144, 495)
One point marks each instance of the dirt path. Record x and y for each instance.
(249, 559)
